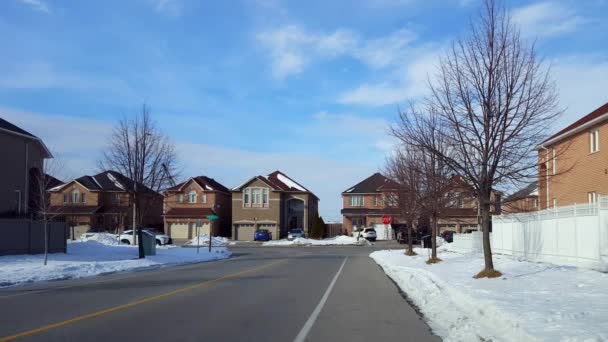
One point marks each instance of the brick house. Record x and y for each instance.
(274, 202)
(364, 204)
(573, 163)
(23, 154)
(190, 202)
(523, 201)
(102, 203)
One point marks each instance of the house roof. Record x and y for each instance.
(597, 115)
(374, 183)
(106, 181)
(531, 190)
(74, 209)
(278, 181)
(11, 128)
(204, 182)
(189, 212)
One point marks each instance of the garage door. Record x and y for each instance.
(384, 232)
(244, 232)
(179, 231)
(272, 228)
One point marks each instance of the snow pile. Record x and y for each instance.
(103, 238)
(530, 302)
(338, 240)
(203, 240)
(90, 258)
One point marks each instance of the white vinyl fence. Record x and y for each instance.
(573, 235)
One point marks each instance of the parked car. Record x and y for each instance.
(262, 235)
(295, 233)
(448, 235)
(161, 239)
(369, 234)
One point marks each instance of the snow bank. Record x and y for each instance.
(103, 238)
(203, 240)
(338, 240)
(530, 302)
(90, 258)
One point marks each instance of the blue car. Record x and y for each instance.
(261, 235)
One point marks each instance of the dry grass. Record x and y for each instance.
(433, 261)
(410, 253)
(488, 273)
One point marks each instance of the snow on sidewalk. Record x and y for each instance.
(203, 240)
(530, 302)
(89, 258)
(338, 240)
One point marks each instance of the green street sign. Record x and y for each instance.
(212, 217)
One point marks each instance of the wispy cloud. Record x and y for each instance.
(168, 7)
(37, 5)
(547, 18)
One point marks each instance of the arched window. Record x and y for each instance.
(75, 196)
(192, 196)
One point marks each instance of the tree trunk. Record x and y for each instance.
(410, 247)
(433, 237)
(485, 226)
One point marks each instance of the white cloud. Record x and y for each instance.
(168, 7)
(547, 18)
(386, 51)
(37, 5)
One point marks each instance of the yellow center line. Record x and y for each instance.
(135, 303)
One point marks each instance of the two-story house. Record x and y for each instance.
(22, 154)
(274, 202)
(573, 163)
(102, 203)
(364, 204)
(522, 201)
(188, 205)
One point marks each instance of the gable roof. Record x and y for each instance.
(372, 184)
(598, 115)
(278, 181)
(106, 181)
(209, 184)
(12, 129)
(529, 191)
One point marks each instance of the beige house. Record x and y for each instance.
(187, 205)
(102, 203)
(573, 163)
(522, 201)
(23, 156)
(274, 202)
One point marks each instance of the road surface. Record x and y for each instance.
(260, 294)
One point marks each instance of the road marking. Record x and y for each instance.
(135, 303)
(313, 317)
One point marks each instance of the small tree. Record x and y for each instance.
(317, 227)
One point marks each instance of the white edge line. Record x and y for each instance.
(313, 316)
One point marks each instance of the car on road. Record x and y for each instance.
(161, 239)
(369, 234)
(262, 235)
(295, 233)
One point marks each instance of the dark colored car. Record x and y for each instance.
(261, 235)
(448, 235)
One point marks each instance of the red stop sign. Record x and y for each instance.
(386, 219)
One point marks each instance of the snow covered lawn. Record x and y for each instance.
(338, 240)
(90, 257)
(203, 240)
(530, 302)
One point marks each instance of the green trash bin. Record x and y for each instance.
(149, 242)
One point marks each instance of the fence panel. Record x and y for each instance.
(27, 237)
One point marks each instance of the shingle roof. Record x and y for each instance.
(279, 181)
(529, 191)
(205, 182)
(372, 184)
(7, 126)
(108, 181)
(585, 119)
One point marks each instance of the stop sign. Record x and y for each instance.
(386, 219)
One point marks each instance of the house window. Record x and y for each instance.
(75, 196)
(66, 198)
(358, 222)
(192, 196)
(592, 196)
(256, 197)
(180, 198)
(554, 162)
(536, 203)
(265, 197)
(83, 198)
(247, 197)
(391, 200)
(375, 200)
(555, 203)
(356, 201)
(594, 140)
(115, 198)
(203, 198)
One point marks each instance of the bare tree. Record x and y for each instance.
(404, 168)
(40, 201)
(139, 150)
(496, 100)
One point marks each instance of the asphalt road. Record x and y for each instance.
(261, 294)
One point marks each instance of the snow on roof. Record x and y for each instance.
(289, 182)
(96, 182)
(208, 187)
(535, 192)
(349, 190)
(57, 187)
(113, 179)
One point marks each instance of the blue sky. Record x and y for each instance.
(247, 87)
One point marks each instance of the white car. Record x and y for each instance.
(161, 239)
(369, 234)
